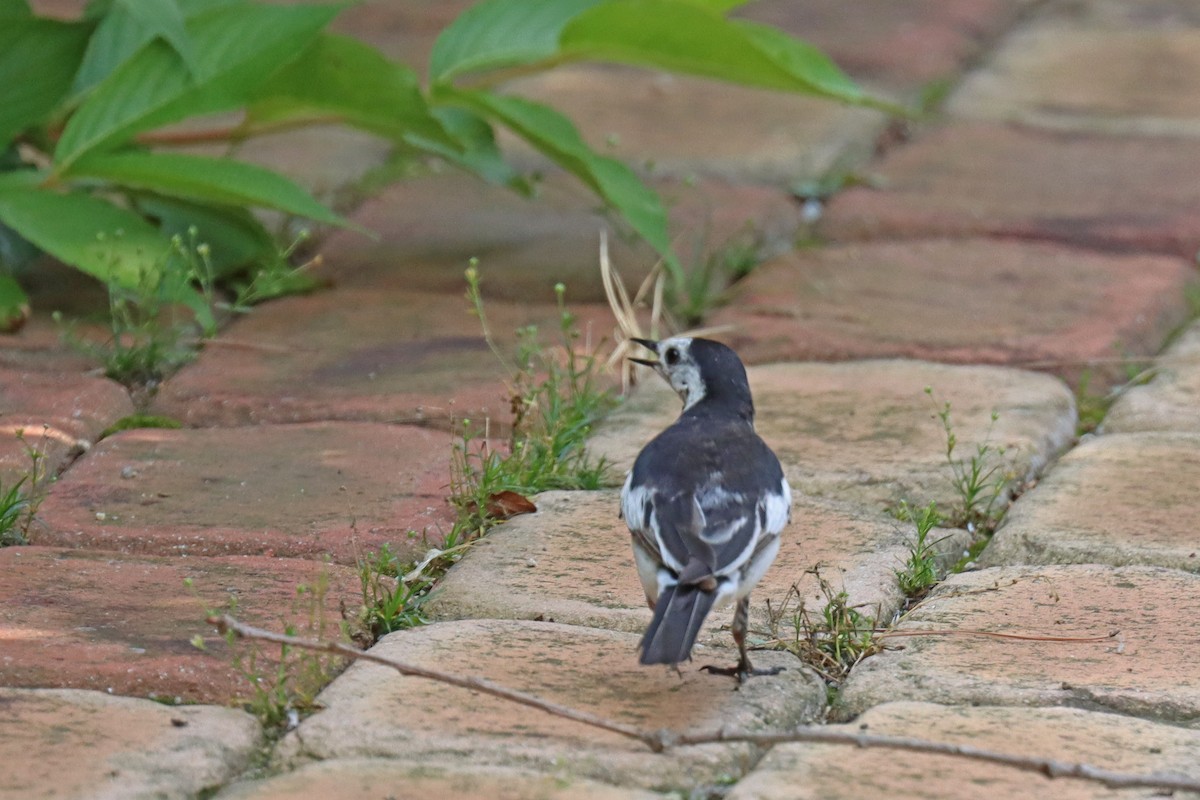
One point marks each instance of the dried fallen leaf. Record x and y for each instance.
(508, 504)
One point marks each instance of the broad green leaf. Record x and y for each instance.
(686, 37)
(342, 79)
(236, 49)
(502, 33)
(91, 234)
(126, 27)
(38, 58)
(720, 6)
(13, 9)
(236, 238)
(214, 180)
(14, 304)
(477, 151)
(555, 136)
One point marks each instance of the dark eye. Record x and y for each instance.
(671, 356)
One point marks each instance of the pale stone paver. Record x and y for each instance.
(1171, 401)
(866, 432)
(1142, 666)
(1110, 741)
(372, 779)
(373, 711)
(1116, 499)
(975, 301)
(1075, 69)
(64, 743)
(571, 562)
(326, 488)
(92, 619)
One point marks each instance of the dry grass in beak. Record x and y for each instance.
(625, 311)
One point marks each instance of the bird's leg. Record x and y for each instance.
(744, 670)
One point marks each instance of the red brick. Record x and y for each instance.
(385, 355)
(967, 179)
(59, 415)
(336, 489)
(123, 623)
(974, 301)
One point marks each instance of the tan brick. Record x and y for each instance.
(571, 562)
(1108, 741)
(866, 432)
(1118, 499)
(1139, 665)
(1171, 401)
(64, 743)
(372, 711)
(370, 779)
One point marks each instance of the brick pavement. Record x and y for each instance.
(1043, 227)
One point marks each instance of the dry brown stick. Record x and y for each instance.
(1051, 768)
(664, 739)
(1022, 637)
(226, 623)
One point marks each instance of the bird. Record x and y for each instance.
(705, 503)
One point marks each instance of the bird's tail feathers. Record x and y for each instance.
(678, 615)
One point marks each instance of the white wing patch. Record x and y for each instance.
(779, 508)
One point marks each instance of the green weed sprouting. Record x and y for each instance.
(831, 640)
(556, 399)
(390, 603)
(20, 500)
(705, 286)
(158, 321)
(283, 687)
(920, 571)
(277, 277)
(981, 480)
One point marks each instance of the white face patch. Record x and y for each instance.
(676, 365)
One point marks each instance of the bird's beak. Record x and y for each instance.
(649, 344)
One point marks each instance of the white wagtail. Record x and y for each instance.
(705, 502)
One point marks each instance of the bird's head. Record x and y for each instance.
(701, 371)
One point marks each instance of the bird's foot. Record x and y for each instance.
(743, 671)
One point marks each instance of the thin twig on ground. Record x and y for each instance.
(658, 741)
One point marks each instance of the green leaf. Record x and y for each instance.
(14, 304)
(477, 151)
(15, 9)
(687, 37)
(215, 180)
(341, 78)
(194, 8)
(107, 242)
(555, 136)
(719, 6)
(125, 28)
(235, 237)
(501, 33)
(38, 58)
(236, 49)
